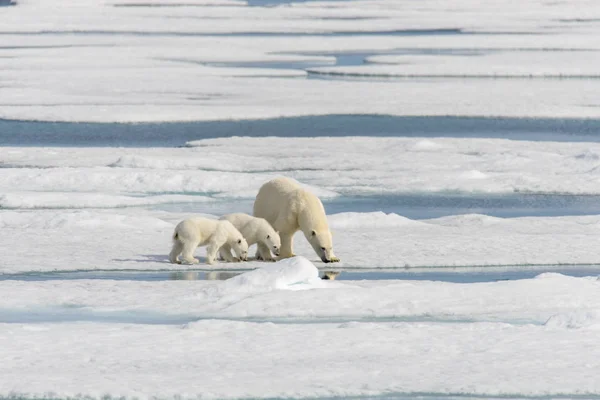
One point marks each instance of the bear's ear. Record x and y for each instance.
(268, 236)
(314, 233)
(239, 241)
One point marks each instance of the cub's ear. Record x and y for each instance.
(314, 233)
(268, 236)
(239, 241)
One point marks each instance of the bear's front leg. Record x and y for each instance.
(211, 253)
(263, 252)
(225, 252)
(286, 245)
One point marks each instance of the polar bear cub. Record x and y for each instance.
(254, 230)
(289, 207)
(198, 231)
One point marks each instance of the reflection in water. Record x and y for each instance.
(184, 276)
(220, 275)
(198, 275)
(223, 275)
(330, 275)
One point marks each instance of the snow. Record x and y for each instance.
(134, 239)
(237, 167)
(359, 353)
(294, 273)
(276, 330)
(224, 359)
(287, 291)
(70, 198)
(209, 60)
(33, 200)
(537, 64)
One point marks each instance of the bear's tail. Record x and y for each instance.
(175, 236)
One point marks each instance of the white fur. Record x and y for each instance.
(255, 230)
(289, 208)
(198, 231)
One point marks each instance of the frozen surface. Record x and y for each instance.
(539, 64)
(366, 335)
(235, 168)
(240, 359)
(115, 208)
(51, 240)
(214, 60)
(275, 330)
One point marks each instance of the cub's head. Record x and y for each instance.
(240, 247)
(322, 244)
(272, 241)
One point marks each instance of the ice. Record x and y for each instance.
(133, 239)
(271, 293)
(589, 319)
(275, 330)
(224, 359)
(538, 64)
(33, 200)
(454, 330)
(44, 185)
(293, 273)
(215, 60)
(330, 167)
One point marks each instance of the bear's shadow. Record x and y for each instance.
(161, 258)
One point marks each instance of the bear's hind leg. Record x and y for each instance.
(175, 251)
(187, 254)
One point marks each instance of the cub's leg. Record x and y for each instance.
(263, 252)
(211, 251)
(225, 252)
(187, 254)
(175, 251)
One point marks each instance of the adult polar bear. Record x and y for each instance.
(289, 208)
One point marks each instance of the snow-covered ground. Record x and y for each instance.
(247, 336)
(209, 60)
(276, 330)
(236, 167)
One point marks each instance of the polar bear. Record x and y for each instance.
(198, 231)
(289, 208)
(254, 230)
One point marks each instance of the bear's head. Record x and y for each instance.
(322, 244)
(240, 247)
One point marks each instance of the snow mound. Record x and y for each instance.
(467, 220)
(587, 155)
(425, 144)
(473, 174)
(377, 219)
(589, 319)
(294, 273)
